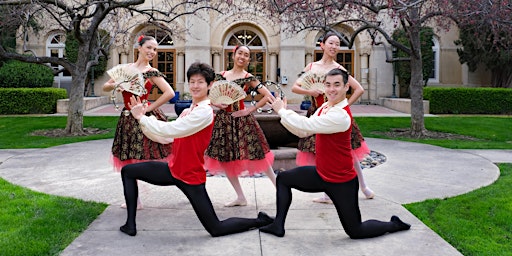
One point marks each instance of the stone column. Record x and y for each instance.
(180, 70)
(309, 57)
(216, 65)
(364, 75)
(124, 58)
(273, 66)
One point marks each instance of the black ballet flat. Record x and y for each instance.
(129, 231)
(265, 219)
(399, 224)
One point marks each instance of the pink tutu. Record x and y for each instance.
(243, 167)
(308, 158)
(305, 158)
(361, 152)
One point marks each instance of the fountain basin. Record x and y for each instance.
(277, 136)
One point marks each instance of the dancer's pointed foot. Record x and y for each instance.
(323, 200)
(368, 193)
(127, 230)
(237, 202)
(273, 229)
(264, 219)
(139, 206)
(399, 224)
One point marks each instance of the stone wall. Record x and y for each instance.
(89, 103)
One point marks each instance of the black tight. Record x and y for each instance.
(158, 173)
(343, 195)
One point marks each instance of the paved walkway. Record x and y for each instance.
(168, 226)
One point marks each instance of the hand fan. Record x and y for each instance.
(226, 92)
(274, 88)
(130, 79)
(312, 80)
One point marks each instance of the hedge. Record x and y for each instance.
(30, 100)
(17, 74)
(469, 100)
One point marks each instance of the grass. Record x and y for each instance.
(476, 223)
(16, 131)
(491, 132)
(33, 223)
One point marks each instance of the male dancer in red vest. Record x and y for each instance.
(191, 133)
(334, 173)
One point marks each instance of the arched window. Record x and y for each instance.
(245, 37)
(55, 45)
(255, 42)
(165, 61)
(162, 37)
(434, 74)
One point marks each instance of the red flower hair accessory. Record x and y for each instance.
(236, 48)
(140, 38)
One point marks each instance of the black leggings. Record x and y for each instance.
(158, 173)
(343, 196)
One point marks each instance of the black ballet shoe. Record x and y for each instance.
(264, 219)
(400, 225)
(272, 229)
(129, 231)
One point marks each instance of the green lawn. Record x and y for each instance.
(33, 223)
(16, 131)
(490, 132)
(476, 223)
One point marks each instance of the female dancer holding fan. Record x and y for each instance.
(130, 145)
(238, 145)
(306, 156)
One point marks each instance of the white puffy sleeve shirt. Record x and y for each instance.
(199, 117)
(325, 120)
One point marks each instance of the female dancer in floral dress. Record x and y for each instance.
(306, 155)
(130, 145)
(238, 145)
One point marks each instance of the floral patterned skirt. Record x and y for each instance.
(238, 146)
(132, 146)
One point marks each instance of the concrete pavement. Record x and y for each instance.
(168, 226)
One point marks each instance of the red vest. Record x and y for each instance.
(334, 161)
(187, 158)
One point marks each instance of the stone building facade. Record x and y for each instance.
(276, 56)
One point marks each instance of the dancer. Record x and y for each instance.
(238, 145)
(130, 145)
(306, 155)
(334, 172)
(185, 169)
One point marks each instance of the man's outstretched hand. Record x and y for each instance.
(277, 103)
(137, 108)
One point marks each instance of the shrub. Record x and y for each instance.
(469, 100)
(30, 100)
(17, 74)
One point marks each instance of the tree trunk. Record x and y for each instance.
(501, 78)
(75, 120)
(416, 88)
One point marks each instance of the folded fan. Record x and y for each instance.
(312, 80)
(226, 92)
(130, 79)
